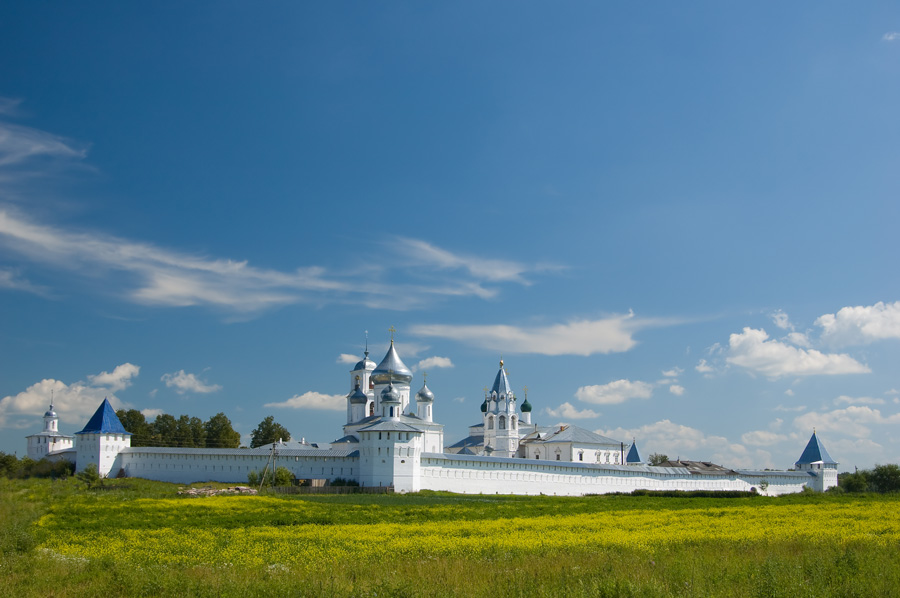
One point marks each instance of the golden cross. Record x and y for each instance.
(525, 388)
(392, 331)
(425, 376)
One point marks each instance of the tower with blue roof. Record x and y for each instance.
(816, 461)
(101, 441)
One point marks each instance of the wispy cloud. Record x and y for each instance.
(569, 411)
(615, 392)
(433, 362)
(313, 400)
(421, 253)
(577, 337)
(891, 36)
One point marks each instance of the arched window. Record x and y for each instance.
(372, 408)
(581, 456)
(512, 423)
(502, 422)
(491, 423)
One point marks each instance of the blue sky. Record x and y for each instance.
(675, 222)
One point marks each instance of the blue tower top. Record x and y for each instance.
(104, 421)
(633, 455)
(815, 452)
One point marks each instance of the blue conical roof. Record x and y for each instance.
(633, 455)
(815, 452)
(501, 383)
(104, 421)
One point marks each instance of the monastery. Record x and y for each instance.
(390, 441)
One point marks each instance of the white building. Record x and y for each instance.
(49, 440)
(390, 441)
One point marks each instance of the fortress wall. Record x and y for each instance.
(473, 475)
(228, 467)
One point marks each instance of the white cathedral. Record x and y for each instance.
(390, 442)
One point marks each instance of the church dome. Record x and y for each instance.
(364, 364)
(50, 412)
(425, 394)
(358, 397)
(391, 369)
(484, 406)
(390, 395)
(526, 406)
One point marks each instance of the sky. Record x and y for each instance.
(675, 222)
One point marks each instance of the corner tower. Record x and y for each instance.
(816, 461)
(101, 441)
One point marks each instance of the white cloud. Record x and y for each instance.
(703, 367)
(854, 421)
(119, 379)
(891, 36)
(845, 400)
(615, 392)
(781, 320)
(796, 408)
(459, 399)
(673, 373)
(789, 392)
(676, 440)
(861, 324)
(798, 338)
(183, 382)
(751, 350)
(433, 362)
(74, 403)
(676, 390)
(19, 145)
(579, 337)
(151, 413)
(762, 438)
(348, 359)
(313, 400)
(568, 411)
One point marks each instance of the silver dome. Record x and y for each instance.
(425, 394)
(389, 395)
(391, 369)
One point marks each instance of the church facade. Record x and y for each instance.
(391, 439)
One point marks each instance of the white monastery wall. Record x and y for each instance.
(468, 474)
(185, 466)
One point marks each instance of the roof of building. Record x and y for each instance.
(104, 421)
(501, 383)
(634, 456)
(348, 439)
(391, 368)
(468, 441)
(389, 425)
(572, 434)
(815, 452)
(705, 467)
(344, 451)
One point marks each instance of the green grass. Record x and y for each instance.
(34, 513)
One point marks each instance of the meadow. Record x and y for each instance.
(134, 537)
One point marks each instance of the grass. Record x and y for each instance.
(139, 538)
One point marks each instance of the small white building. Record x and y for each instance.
(49, 440)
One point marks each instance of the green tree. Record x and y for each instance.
(220, 434)
(657, 459)
(164, 430)
(9, 465)
(885, 478)
(135, 422)
(283, 477)
(267, 432)
(190, 432)
(857, 481)
(89, 475)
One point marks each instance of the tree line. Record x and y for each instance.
(192, 432)
(881, 478)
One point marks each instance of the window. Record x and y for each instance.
(557, 456)
(581, 456)
(502, 422)
(491, 423)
